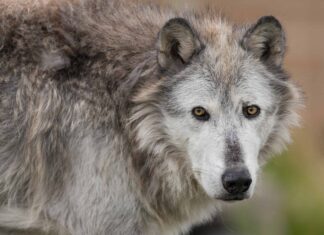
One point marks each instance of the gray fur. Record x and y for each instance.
(86, 144)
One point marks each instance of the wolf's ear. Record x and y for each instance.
(177, 43)
(266, 40)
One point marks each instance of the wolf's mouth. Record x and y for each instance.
(234, 197)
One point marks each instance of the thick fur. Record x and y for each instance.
(88, 114)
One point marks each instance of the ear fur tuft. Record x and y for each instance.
(266, 40)
(177, 43)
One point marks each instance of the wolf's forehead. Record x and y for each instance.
(226, 67)
(222, 38)
(227, 63)
(210, 84)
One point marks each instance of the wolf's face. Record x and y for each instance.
(223, 117)
(226, 103)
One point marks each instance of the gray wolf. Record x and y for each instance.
(123, 118)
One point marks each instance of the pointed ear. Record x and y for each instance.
(177, 43)
(266, 40)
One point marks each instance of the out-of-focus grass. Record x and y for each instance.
(299, 209)
(303, 200)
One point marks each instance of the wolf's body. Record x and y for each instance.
(91, 121)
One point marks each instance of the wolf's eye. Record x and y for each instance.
(251, 111)
(200, 113)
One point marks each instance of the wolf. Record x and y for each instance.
(124, 118)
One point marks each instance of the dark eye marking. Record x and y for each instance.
(200, 113)
(251, 111)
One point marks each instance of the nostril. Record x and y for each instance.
(247, 183)
(236, 180)
(231, 184)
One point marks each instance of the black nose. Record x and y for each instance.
(236, 180)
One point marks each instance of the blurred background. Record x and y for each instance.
(290, 197)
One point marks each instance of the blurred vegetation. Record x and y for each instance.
(301, 204)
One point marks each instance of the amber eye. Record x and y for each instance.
(251, 111)
(200, 113)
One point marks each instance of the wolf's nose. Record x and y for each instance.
(236, 180)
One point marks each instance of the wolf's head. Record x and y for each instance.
(223, 101)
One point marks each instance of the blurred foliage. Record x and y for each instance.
(301, 203)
